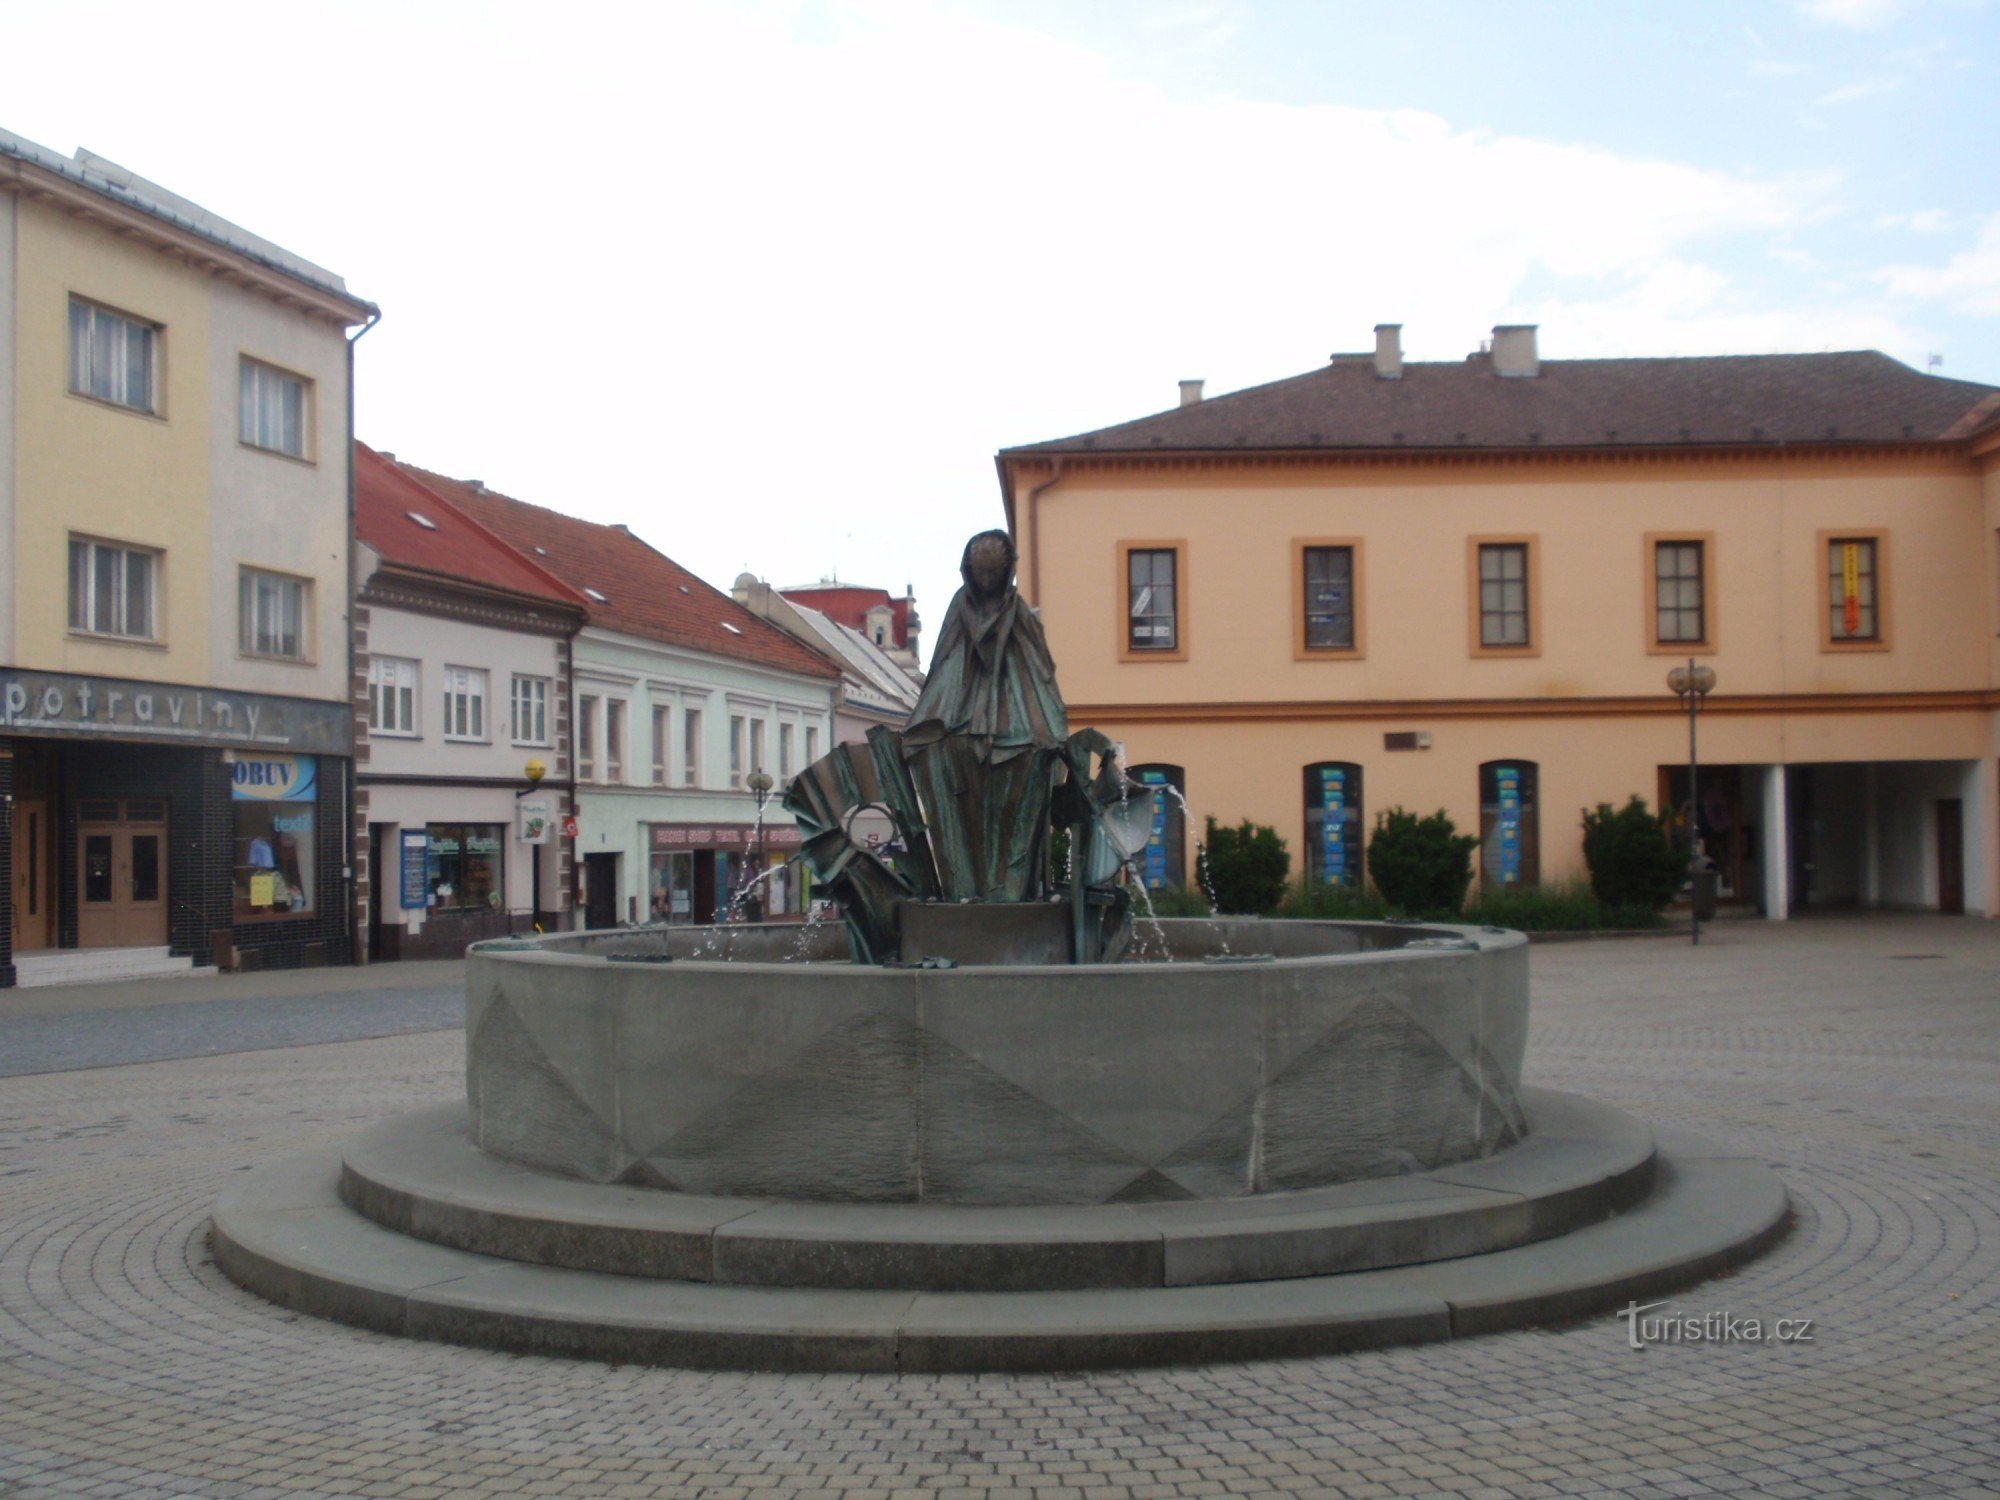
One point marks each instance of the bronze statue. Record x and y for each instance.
(973, 783)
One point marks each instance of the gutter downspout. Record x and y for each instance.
(357, 935)
(1035, 531)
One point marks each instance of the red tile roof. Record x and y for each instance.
(453, 545)
(848, 604)
(627, 585)
(1734, 400)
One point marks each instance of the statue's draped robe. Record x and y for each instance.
(983, 745)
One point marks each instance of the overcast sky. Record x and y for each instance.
(771, 283)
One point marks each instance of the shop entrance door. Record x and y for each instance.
(600, 890)
(1951, 856)
(121, 875)
(31, 887)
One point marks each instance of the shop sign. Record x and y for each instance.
(723, 835)
(274, 778)
(71, 705)
(536, 813)
(416, 865)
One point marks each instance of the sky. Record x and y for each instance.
(771, 283)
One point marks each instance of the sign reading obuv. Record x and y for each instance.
(71, 705)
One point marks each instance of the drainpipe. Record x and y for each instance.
(1035, 532)
(357, 936)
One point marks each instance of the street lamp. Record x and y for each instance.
(760, 782)
(534, 771)
(1691, 684)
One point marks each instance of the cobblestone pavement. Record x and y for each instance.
(1862, 1057)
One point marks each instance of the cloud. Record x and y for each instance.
(1866, 88)
(1856, 15)
(1771, 67)
(1968, 283)
(1923, 221)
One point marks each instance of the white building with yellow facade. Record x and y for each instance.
(175, 405)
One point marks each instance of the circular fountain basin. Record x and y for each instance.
(1249, 1057)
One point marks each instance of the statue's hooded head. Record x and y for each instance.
(988, 565)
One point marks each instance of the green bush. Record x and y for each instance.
(1568, 907)
(1176, 901)
(1631, 862)
(1349, 901)
(1422, 866)
(1247, 868)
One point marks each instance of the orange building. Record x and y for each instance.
(1462, 585)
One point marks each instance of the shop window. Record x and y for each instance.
(274, 799)
(670, 886)
(464, 866)
(113, 357)
(1509, 824)
(392, 695)
(1163, 862)
(273, 408)
(112, 589)
(530, 710)
(1854, 590)
(271, 615)
(1153, 590)
(1333, 823)
(465, 703)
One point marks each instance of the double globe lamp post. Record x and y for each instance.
(1691, 684)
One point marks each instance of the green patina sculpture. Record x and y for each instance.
(974, 783)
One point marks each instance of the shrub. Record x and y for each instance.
(1316, 901)
(1567, 907)
(1176, 901)
(1247, 867)
(1631, 862)
(1422, 866)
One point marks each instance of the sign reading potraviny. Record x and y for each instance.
(71, 705)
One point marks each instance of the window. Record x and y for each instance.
(1854, 591)
(1333, 823)
(531, 710)
(111, 589)
(614, 740)
(786, 737)
(1162, 863)
(464, 866)
(662, 717)
(271, 408)
(738, 733)
(273, 799)
(1152, 599)
(1504, 595)
(465, 703)
(392, 696)
(586, 738)
(756, 744)
(1327, 578)
(812, 743)
(271, 615)
(691, 747)
(1678, 591)
(113, 357)
(1509, 829)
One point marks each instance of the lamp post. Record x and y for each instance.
(534, 771)
(1691, 684)
(760, 782)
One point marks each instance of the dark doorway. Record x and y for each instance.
(600, 880)
(378, 890)
(704, 885)
(1951, 856)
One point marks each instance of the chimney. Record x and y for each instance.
(1190, 392)
(1514, 351)
(1388, 351)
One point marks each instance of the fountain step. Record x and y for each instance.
(284, 1233)
(420, 1176)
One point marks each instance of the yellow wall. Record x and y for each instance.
(85, 467)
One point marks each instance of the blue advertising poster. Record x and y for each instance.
(1507, 826)
(1155, 868)
(273, 778)
(416, 865)
(1333, 823)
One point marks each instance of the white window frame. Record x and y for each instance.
(465, 699)
(123, 627)
(617, 715)
(690, 747)
(757, 745)
(261, 637)
(663, 724)
(739, 735)
(393, 697)
(788, 737)
(262, 418)
(94, 372)
(586, 737)
(528, 709)
(812, 744)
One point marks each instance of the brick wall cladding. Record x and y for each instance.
(201, 833)
(6, 867)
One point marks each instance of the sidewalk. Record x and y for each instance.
(269, 984)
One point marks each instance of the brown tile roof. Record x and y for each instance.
(1861, 396)
(644, 592)
(452, 544)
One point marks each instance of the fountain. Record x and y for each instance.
(973, 1127)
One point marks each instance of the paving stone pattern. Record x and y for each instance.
(1862, 1057)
